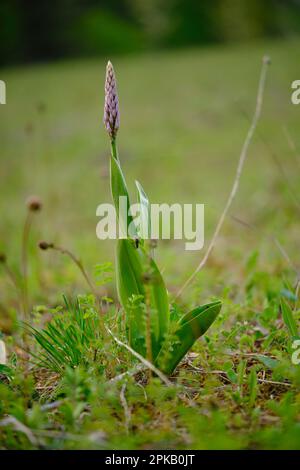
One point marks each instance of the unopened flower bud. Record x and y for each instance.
(34, 203)
(111, 116)
(45, 246)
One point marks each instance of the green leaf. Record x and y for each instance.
(139, 277)
(268, 361)
(7, 371)
(119, 189)
(288, 294)
(193, 325)
(232, 376)
(288, 318)
(103, 273)
(252, 384)
(145, 212)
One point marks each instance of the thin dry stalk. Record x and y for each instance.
(127, 413)
(18, 286)
(13, 279)
(144, 361)
(34, 435)
(128, 373)
(272, 382)
(80, 266)
(24, 263)
(20, 427)
(34, 204)
(152, 368)
(243, 155)
(46, 246)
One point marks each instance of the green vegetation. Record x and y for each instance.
(100, 27)
(141, 288)
(185, 115)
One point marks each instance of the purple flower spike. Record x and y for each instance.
(111, 116)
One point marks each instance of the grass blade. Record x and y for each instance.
(288, 318)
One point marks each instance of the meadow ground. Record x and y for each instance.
(184, 117)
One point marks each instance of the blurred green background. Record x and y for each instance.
(187, 74)
(186, 98)
(40, 30)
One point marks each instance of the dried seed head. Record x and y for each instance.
(34, 203)
(111, 116)
(2, 258)
(45, 246)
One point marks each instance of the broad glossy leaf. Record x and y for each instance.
(192, 325)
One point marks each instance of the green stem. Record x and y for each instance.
(148, 327)
(114, 150)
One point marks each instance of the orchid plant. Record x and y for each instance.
(155, 331)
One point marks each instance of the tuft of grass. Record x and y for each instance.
(69, 338)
